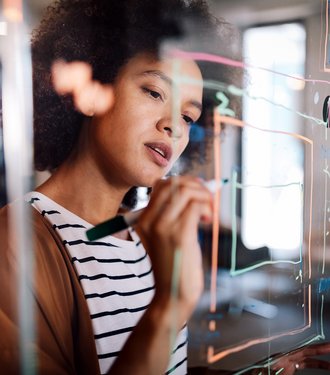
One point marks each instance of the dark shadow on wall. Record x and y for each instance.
(3, 194)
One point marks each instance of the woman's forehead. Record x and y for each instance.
(167, 68)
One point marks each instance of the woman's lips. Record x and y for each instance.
(161, 153)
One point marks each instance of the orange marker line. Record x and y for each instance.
(218, 119)
(216, 357)
(236, 122)
(13, 10)
(326, 37)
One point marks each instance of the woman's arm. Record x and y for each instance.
(168, 230)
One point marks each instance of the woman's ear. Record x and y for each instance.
(75, 78)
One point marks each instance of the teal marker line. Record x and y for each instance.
(234, 224)
(321, 317)
(175, 292)
(235, 185)
(241, 186)
(273, 360)
(223, 106)
(261, 264)
(325, 214)
(176, 274)
(302, 192)
(312, 340)
(248, 369)
(231, 89)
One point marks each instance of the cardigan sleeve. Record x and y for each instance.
(64, 342)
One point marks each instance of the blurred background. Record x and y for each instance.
(267, 293)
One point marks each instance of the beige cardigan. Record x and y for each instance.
(64, 337)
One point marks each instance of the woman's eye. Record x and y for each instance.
(154, 94)
(187, 119)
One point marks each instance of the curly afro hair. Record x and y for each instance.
(106, 34)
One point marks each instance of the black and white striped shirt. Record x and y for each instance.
(117, 281)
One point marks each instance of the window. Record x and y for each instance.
(273, 162)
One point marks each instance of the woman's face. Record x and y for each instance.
(137, 141)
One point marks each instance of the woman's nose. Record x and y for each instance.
(171, 125)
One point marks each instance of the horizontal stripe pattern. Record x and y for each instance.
(113, 292)
(119, 277)
(109, 260)
(117, 280)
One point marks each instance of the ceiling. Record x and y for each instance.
(242, 13)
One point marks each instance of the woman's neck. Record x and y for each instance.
(81, 189)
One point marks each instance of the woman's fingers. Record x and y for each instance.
(94, 98)
(316, 349)
(303, 358)
(314, 363)
(171, 197)
(173, 210)
(69, 77)
(75, 78)
(307, 363)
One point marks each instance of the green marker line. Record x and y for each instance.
(175, 292)
(234, 186)
(233, 223)
(242, 186)
(231, 89)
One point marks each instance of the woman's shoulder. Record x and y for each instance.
(37, 233)
(10, 215)
(57, 296)
(35, 243)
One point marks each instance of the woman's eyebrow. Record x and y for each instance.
(158, 74)
(196, 104)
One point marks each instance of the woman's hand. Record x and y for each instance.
(303, 358)
(168, 229)
(90, 97)
(298, 359)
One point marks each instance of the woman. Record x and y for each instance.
(99, 307)
(105, 127)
